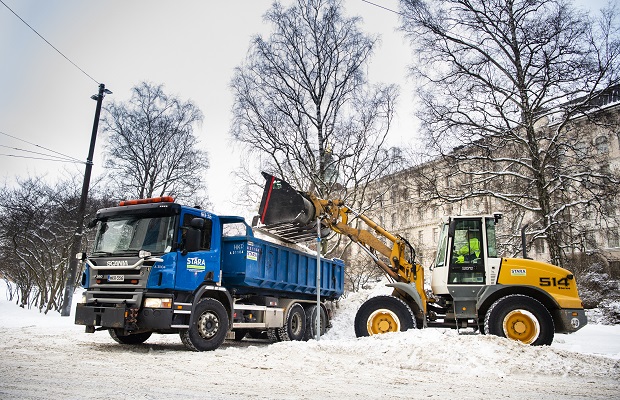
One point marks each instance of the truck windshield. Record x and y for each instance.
(130, 234)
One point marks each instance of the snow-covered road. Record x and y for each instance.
(45, 357)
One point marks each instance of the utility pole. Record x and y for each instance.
(65, 311)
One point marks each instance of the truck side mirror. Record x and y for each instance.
(197, 223)
(192, 240)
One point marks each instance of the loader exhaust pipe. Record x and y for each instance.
(524, 241)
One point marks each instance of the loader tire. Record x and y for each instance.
(135, 338)
(311, 322)
(208, 328)
(383, 314)
(295, 325)
(521, 318)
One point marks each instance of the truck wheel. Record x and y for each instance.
(135, 338)
(382, 314)
(522, 318)
(295, 325)
(311, 322)
(208, 328)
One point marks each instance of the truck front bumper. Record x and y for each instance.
(106, 317)
(123, 317)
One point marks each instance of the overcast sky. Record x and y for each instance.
(190, 46)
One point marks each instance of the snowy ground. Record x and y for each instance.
(48, 357)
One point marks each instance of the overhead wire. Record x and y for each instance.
(50, 157)
(46, 41)
(376, 5)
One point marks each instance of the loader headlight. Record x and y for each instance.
(158, 302)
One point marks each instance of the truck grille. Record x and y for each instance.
(116, 286)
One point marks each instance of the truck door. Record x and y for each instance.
(194, 267)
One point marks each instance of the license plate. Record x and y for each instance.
(116, 278)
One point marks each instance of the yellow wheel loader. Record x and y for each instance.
(471, 285)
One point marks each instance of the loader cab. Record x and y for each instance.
(466, 254)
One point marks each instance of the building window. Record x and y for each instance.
(539, 246)
(405, 221)
(613, 239)
(435, 235)
(602, 144)
(590, 239)
(581, 149)
(420, 238)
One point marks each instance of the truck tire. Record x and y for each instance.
(135, 338)
(382, 314)
(295, 325)
(208, 328)
(311, 322)
(522, 318)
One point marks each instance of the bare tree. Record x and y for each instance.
(505, 84)
(151, 147)
(37, 224)
(303, 105)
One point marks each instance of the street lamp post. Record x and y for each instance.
(79, 230)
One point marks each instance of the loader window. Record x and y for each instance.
(491, 241)
(467, 258)
(440, 260)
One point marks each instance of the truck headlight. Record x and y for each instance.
(158, 302)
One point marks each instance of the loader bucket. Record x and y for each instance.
(286, 213)
(283, 204)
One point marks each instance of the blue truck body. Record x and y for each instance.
(158, 266)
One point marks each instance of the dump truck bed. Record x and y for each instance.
(255, 266)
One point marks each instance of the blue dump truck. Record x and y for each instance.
(160, 267)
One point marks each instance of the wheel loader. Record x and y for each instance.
(472, 286)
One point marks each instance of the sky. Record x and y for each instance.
(191, 47)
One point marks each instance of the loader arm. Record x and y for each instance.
(283, 205)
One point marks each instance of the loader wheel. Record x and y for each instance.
(522, 318)
(383, 314)
(311, 322)
(208, 328)
(135, 338)
(295, 326)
